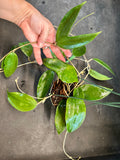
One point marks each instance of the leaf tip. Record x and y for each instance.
(7, 92)
(84, 2)
(99, 32)
(80, 5)
(113, 74)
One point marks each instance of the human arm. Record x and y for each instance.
(36, 28)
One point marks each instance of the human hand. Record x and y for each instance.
(40, 30)
(36, 28)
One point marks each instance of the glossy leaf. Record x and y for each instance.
(62, 53)
(78, 93)
(9, 64)
(65, 72)
(21, 101)
(44, 83)
(79, 51)
(92, 92)
(53, 54)
(60, 117)
(75, 114)
(67, 22)
(98, 75)
(27, 50)
(77, 41)
(104, 65)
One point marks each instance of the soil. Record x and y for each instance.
(59, 88)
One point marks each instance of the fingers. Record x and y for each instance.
(47, 33)
(52, 35)
(58, 53)
(47, 52)
(67, 52)
(37, 54)
(43, 36)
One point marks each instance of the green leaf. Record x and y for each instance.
(60, 117)
(106, 66)
(44, 83)
(53, 54)
(92, 92)
(98, 75)
(67, 22)
(9, 64)
(75, 114)
(21, 101)
(65, 72)
(76, 41)
(27, 50)
(13, 47)
(78, 93)
(62, 53)
(79, 51)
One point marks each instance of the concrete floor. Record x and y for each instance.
(32, 135)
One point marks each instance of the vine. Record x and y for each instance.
(71, 89)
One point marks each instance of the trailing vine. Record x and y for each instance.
(75, 88)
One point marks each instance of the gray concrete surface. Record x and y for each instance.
(32, 135)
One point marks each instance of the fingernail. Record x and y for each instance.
(40, 63)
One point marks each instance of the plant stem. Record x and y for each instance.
(16, 82)
(26, 63)
(83, 80)
(29, 59)
(56, 26)
(81, 20)
(73, 66)
(22, 46)
(64, 147)
(81, 72)
(16, 49)
(80, 59)
(68, 88)
(70, 157)
(70, 59)
(88, 68)
(4, 57)
(86, 61)
(90, 60)
(65, 90)
(44, 99)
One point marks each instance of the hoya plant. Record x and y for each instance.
(62, 82)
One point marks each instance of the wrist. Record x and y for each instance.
(15, 10)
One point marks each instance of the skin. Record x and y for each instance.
(36, 28)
